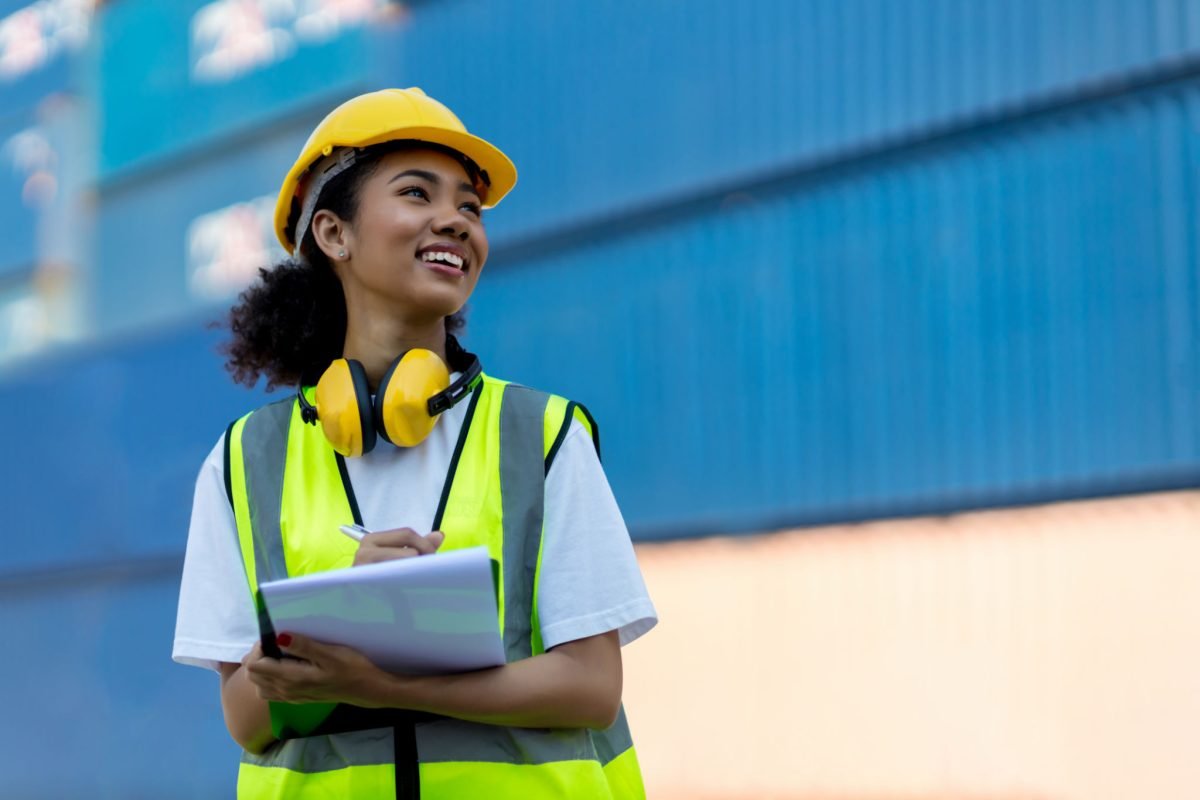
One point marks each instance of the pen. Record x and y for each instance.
(355, 532)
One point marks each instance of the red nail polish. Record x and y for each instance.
(283, 639)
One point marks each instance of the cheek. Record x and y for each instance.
(481, 243)
(390, 223)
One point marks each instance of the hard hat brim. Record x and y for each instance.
(500, 172)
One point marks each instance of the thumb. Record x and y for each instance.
(436, 538)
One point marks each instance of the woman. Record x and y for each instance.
(383, 213)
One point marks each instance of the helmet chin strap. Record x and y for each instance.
(326, 170)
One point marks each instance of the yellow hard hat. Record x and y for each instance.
(376, 117)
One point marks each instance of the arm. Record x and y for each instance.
(247, 715)
(574, 685)
(577, 684)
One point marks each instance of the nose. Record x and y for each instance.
(452, 222)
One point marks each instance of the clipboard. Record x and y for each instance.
(427, 615)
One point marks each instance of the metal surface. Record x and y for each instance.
(156, 110)
(637, 109)
(804, 261)
(18, 247)
(89, 579)
(998, 316)
(1046, 652)
(153, 263)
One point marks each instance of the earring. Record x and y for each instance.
(341, 253)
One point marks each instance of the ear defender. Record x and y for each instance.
(344, 408)
(402, 414)
(414, 391)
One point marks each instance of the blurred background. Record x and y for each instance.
(888, 310)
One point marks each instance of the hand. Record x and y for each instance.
(318, 673)
(398, 543)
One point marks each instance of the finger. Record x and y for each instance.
(263, 669)
(275, 668)
(259, 675)
(436, 538)
(402, 537)
(322, 655)
(376, 555)
(303, 647)
(395, 537)
(254, 655)
(285, 675)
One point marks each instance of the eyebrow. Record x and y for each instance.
(431, 178)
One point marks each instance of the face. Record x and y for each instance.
(417, 245)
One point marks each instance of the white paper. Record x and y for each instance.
(424, 615)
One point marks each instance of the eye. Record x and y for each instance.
(414, 191)
(473, 208)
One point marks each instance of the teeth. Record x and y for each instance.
(439, 255)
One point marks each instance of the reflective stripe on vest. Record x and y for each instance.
(290, 490)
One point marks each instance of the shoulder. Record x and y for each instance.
(284, 404)
(273, 416)
(562, 417)
(251, 433)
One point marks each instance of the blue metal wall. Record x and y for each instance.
(1000, 315)
(22, 94)
(804, 260)
(104, 445)
(154, 110)
(18, 245)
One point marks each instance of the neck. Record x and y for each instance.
(377, 341)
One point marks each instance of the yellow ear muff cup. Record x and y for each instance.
(344, 404)
(402, 403)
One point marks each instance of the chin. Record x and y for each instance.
(430, 307)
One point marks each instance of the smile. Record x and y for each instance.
(444, 257)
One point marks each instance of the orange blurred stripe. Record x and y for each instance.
(1040, 652)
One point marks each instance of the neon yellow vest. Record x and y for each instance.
(290, 491)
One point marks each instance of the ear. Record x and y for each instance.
(331, 234)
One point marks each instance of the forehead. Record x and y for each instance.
(441, 164)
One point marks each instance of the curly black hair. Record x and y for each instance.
(291, 322)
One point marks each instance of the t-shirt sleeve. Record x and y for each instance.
(216, 620)
(589, 581)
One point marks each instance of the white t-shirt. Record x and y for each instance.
(589, 581)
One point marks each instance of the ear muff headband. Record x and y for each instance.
(472, 372)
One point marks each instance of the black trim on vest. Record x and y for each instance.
(346, 717)
(458, 448)
(225, 465)
(341, 464)
(595, 428)
(562, 434)
(566, 427)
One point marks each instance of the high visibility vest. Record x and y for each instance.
(290, 491)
